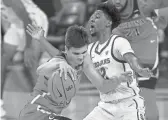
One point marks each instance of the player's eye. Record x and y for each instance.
(76, 53)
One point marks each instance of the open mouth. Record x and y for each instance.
(91, 26)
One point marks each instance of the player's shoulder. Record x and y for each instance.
(119, 38)
(118, 41)
(48, 67)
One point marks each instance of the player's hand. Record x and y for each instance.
(145, 72)
(66, 69)
(35, 31)
(126, 77)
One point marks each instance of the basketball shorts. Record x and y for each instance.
(128, 109)
(41, 108)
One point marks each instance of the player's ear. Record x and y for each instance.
(109, 23)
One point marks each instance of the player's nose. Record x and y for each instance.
(81, 57)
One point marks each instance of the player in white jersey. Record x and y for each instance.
(111, 55)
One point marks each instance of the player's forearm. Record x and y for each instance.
(132, 60)
(49, 48)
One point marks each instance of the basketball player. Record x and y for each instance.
(42, 106)
(137, 26)
(101, 28)
(124, 103)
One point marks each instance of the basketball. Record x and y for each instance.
(61, 90)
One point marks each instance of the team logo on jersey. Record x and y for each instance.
(102, 62)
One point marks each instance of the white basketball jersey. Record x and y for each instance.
(104, 58)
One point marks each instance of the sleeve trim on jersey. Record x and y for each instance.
(124, 67)
(112, 54)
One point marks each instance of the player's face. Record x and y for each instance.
(98, 22)
(119, 4)
(77, 55)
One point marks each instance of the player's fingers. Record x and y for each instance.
(32, 27)
(65, 73)
(71, 72)
(75, 75)
(29, 29)
(29, 32)
(35, 25)
(61, 72)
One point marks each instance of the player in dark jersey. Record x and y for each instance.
(138, 27)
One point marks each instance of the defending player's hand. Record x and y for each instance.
(145, 72)
(35, 31)
(126, 77)
(66, 69)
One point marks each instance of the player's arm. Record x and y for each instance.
(37, 33)
(103, 85)
(123, 48)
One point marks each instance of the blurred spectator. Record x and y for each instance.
(50, 7)
(91, 6)
(72, 12)
(162, 24)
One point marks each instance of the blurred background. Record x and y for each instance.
(62, 14)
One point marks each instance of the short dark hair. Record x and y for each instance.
(76, 36)
(112, 13)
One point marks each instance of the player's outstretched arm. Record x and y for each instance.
(103, 85)
(135, 65)
(123, 50)
(37, 33)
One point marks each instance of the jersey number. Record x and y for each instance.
(133, 32)
(103, 72)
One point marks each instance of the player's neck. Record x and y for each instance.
(104, 36)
